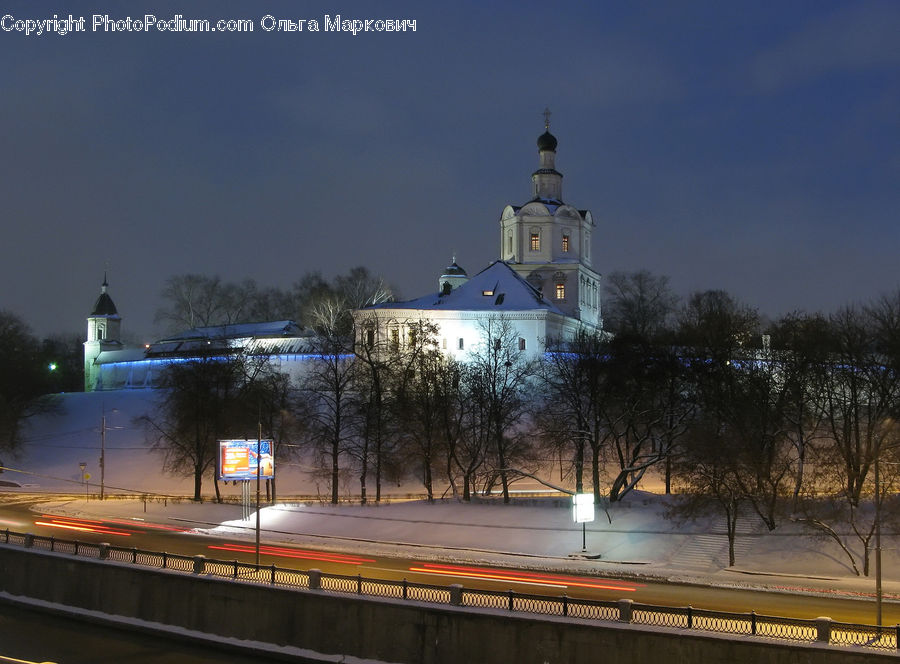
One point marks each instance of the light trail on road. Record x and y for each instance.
(303, 554)
(517, 576)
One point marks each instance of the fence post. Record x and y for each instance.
(165, 560)
(511, 595)
(273, 574)
(199, 564)
(29, 540)
(897, 636)
(823, 629)
(235, 569)
(626, 606)
(565, 605)
(405, 591)
(315, 579)
(690, 617)
(133, 554)
(52, 543)
(456, 591)
(104, 551)
(359, 584)
(753, 623)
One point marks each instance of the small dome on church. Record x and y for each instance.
(546, 141)
(454, 271)
(104, 305)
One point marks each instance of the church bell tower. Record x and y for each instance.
(104, 327)
(548, 242)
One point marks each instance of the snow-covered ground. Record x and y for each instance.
(634, 539)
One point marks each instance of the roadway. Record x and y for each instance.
(177, 538)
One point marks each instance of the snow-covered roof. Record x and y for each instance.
(122, 355)
(496, 288)
(278, 328)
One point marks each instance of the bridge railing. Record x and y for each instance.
(821, 630)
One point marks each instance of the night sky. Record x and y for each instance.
(749, 146)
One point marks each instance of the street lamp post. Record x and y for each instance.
(82, 466)
(877, 542)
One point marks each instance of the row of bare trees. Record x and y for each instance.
(784, 420)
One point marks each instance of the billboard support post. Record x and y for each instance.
(258, 471)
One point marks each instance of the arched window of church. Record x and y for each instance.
(521, 343)
(565, 244)
(395, 338)
(560, 291)
(462, 344)
(370, 338)
(100, 333)
(509, 243)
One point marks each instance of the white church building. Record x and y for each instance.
(543, 284)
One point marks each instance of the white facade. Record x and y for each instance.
(461, 314)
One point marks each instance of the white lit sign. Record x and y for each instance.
(583, 507)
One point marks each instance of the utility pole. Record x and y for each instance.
(102, 453)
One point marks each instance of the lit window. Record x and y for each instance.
(565, 243)
(461, 344)
(535, 242)
(521, 343)
(560, 291)
(487, 293)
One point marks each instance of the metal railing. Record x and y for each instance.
(821, 630)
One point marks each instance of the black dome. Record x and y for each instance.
(104, 306)
(546, 141)
(454, 271)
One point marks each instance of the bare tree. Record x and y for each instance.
(199, 404)
(195, 300)
(25, 378)
(710, 487)
(420, 389)
(638, 304)
(501, 378)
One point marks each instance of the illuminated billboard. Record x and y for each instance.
(238, 460)
(583, 507)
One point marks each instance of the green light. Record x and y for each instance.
(52, 366)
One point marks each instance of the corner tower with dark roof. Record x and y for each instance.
(104, 327)
(548, 242)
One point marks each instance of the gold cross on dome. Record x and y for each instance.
(546, 115)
